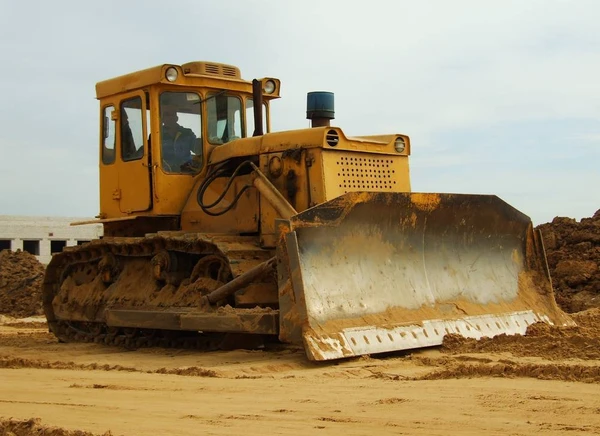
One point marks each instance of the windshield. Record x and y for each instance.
(181, 127)
(224, 118)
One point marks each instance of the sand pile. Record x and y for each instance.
(541, 340)
(573, 252)
(21, 276)
(34, 426)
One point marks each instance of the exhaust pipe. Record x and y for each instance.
(257, 98)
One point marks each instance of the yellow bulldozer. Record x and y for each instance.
(217, 229)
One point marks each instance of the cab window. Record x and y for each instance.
(181, 127)
(108, 136)
(224, 118)
(132, 132)
(250, 118)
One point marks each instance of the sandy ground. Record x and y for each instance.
(491, 388)
(546, 382)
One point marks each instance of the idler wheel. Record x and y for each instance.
(213, 267)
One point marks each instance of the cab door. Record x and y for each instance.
(135, 194)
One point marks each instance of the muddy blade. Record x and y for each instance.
(371, 272)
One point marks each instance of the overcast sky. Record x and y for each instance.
(498, 97)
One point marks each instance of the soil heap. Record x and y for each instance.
(21, 277)
(573, 252)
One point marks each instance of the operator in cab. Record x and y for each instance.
(178, 144)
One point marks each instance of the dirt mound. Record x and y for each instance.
(511, 369)
(541, 340)
(34, 427)
(21, 276)
(573, 252)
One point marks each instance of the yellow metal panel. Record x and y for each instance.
(134, 184)
(364, 172)
(315, 177)
(288, 173)
(242, 218)
(323, 174)
(272, 142)
(128, 82)
(109, 186)
(170, 191)
(383, 139)
(316, 137)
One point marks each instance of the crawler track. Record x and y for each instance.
(166, 274)
(135, 337)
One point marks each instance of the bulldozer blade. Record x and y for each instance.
(377, 272)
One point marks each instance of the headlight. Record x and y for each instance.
(399, 145)
(171, 74)
(269, 87)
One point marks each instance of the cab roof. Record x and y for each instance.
(199, 73)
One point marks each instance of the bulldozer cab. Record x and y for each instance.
(159, 125)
